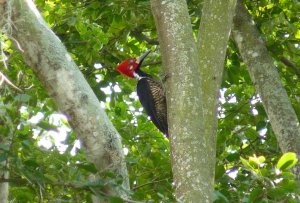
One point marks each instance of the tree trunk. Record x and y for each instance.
(180, 62)
(48, 58)
(265, 77)
(5, 142)
(4, 173)
(214, 31)
(192, 145)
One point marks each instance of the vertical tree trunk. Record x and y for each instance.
(46, 55)
(180, 62)
(214, 31)
(265, 77)
(5, 142)
(4, 174)
(192, 117)
(192, 147)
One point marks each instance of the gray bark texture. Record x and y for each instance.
(4, 174)
(214, 32)
(180, 63)
(267, 82)
(192, 137)
(4, 186)
(5, 142)
(48, 58)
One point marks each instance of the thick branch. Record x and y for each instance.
(214, 31)
(4, 186)
(180, 62)
(46, 55)
(282, 116)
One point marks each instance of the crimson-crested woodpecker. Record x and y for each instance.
(149, 91)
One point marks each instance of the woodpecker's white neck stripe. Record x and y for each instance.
(136, 76)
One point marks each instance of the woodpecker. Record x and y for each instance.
(150, 92)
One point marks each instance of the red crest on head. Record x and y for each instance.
(128, 67)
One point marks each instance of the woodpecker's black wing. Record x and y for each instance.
(152, 98)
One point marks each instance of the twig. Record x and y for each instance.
(17, 43)
(140, 36)
(4, 58)
(13, 180)
(131, 201)
(149, 183)
(290, 64)
(3, 78)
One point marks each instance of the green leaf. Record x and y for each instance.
(116, 200)
(253, 161)
(219, 171)
(47, 126)
(3, 157)
(256, 161)
(88, 167)
(218, 196)
(4, 147)
(31, 163)
(256, 194)
(287, 161)
(22, 98)
(246, 163)
(232, 157)
(297, 34)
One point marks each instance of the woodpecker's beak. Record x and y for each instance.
(141, 58)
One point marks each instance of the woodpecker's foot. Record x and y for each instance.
(165, 77)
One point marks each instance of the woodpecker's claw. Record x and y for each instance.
(165, 77)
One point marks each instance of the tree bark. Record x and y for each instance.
(267, 82)
(6, 125)
(192, 110)
(180, 63)
(214, 31)
(48, 58)
(4, 173)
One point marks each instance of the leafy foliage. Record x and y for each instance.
(248, 168)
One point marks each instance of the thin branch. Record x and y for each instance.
(4, 58)
(131, 201)
(40, 194)
(152, 63)
(13, 180)
(140, 36)
(291, 65)
(149, 183)
(3, 78)
(64, 184)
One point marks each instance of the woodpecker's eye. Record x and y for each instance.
(131, 61)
